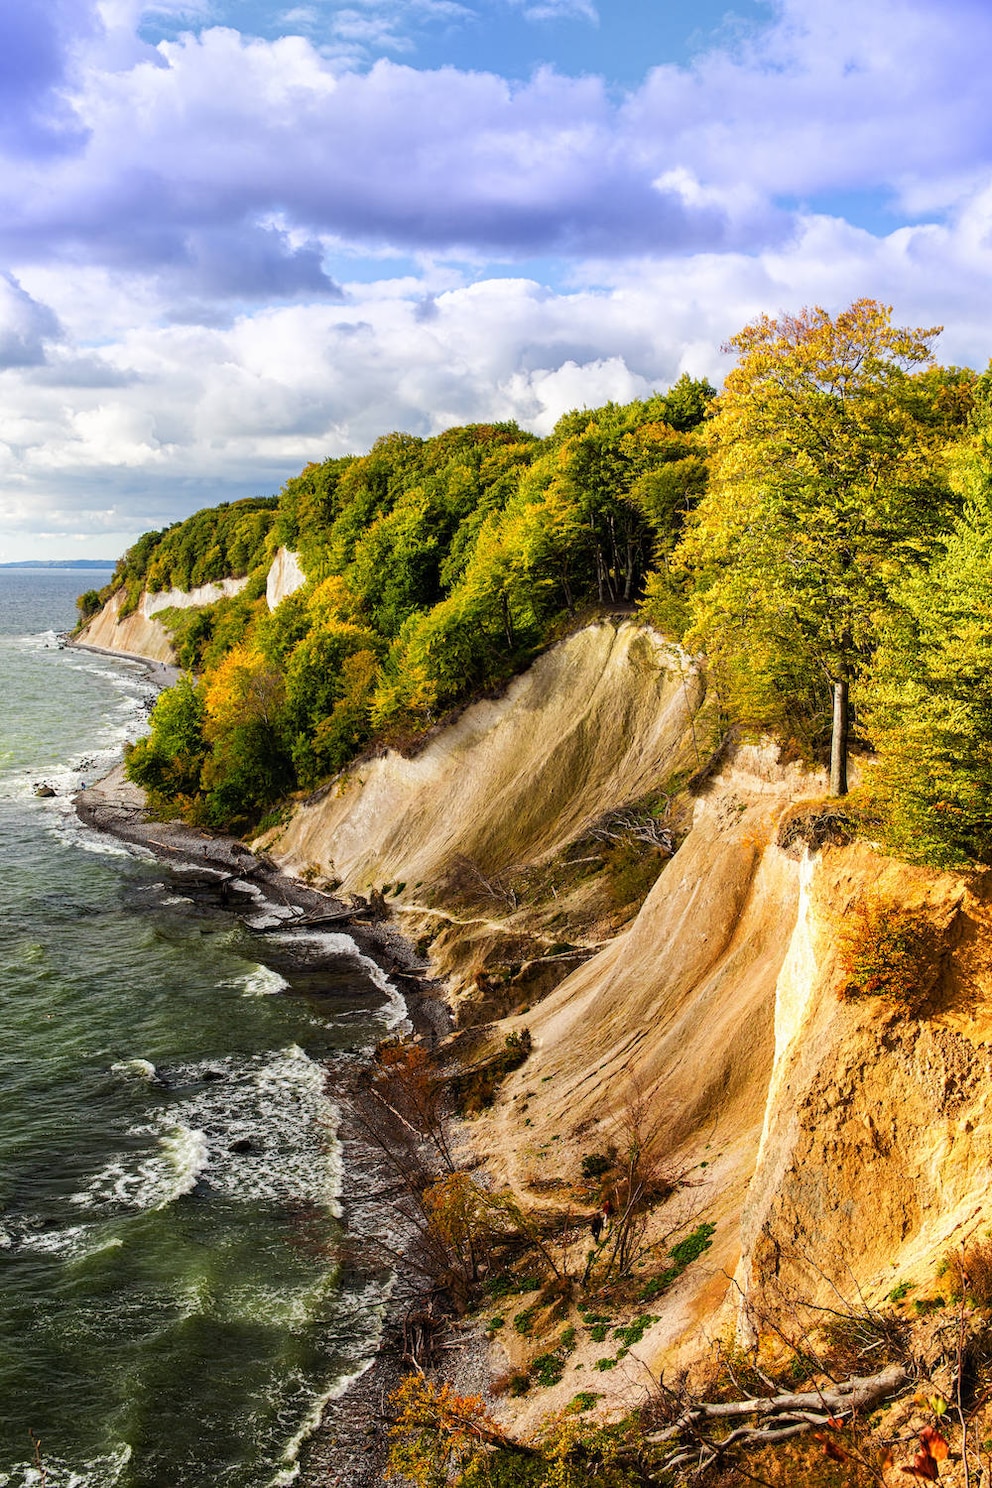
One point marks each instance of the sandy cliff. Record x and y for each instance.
(837, 1145)
(140, 634)
(600, 719)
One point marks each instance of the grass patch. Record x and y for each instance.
(682, 1255)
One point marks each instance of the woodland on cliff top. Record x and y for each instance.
(820, 532)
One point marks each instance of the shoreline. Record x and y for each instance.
(347, 1444)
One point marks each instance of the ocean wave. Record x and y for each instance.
(334, 943)
(258, 1130)
(156, 1181)
(359, 1325)
(142, 1069)
(101, 1472)
(72, 832)
(29, 1234)
(262, 982)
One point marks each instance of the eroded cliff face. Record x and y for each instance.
(600, 719)
(140, 634)
(838, 1145)
(877, 1147)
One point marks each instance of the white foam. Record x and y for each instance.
(101, 1472)
(143, 1069)
(155, 1182)
(52, 1242)
(262, 982)
(365, 1317)
(334, 943)
(274, 1103)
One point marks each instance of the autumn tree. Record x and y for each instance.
(825, 491)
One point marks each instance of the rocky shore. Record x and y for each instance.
(349, 1445)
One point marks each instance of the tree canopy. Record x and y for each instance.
(820, 533)
(436, 568)
(825, 491)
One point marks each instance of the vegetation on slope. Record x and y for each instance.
(436, 568)
(835, 571)
(821, 531)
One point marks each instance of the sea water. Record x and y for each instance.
(172, 1307)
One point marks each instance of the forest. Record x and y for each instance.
(818, 533)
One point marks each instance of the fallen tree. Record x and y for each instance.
(781, 1417)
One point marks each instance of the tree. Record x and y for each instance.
(167, 762)
(929, 704)
(825, 491)
(249, 766)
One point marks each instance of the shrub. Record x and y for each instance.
(595, 1164)
(971, 1272)
(888, 951)
(475, 1089)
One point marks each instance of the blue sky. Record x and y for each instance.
(237, 236)
(618, 41)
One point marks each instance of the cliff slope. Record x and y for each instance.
(598, 720)
(141, 634)
(837, 1144)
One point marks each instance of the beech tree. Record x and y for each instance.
(824, 491)
(929, 704)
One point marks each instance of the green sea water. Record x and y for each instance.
(172, 1310)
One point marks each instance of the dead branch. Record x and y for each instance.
(783, 1415)
(614, 826)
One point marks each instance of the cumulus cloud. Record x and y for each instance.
(214, 132)
(37, 40)
(170, 331)
(168, 417)
(25, 326)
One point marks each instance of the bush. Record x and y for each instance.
(475, 1089)
(888, 951)
(682, 1255)
(595, 1164)
(971, 1272)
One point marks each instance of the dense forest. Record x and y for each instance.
(820, 533)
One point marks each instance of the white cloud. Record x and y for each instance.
(170, 334)
(200, 413)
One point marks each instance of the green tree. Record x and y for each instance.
(825, 491)
(929, 703)
(167, 762)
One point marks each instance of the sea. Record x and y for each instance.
(176, 1306)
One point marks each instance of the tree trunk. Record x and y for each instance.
(838, 741)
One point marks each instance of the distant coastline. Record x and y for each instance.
(61, 563)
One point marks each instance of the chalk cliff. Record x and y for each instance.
(837, 1145)
(141, 634)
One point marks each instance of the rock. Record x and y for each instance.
(242, 1144)
(212, 1074)
(43, 790)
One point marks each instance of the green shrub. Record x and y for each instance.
(682, 1255)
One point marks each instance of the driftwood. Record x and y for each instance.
(784, 1416)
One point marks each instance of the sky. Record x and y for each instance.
(236, 236)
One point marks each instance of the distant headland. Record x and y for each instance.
(61, 563)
